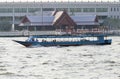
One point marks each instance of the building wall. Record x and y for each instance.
(14, 12)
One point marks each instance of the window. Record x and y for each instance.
(34, 9)
(88, 10)
(6, 10)
(75, 9)
(117, 9)
(20, 10)
(114, 9)
(101, 9)
(18, 18)
(61, 9)
(111, 9)
(48, 9)
(117, 17)
(102, 17)
(5, 18)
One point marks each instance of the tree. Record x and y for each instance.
(112, 23)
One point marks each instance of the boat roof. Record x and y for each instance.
(69, 36)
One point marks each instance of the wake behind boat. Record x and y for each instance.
(65, 40)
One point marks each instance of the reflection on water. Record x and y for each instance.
(79, 62)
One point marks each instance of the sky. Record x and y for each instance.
(58, 0)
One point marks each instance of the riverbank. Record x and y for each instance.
(25, 33)
(28, 33)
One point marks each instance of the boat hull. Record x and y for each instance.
(27, 43)
(63, 43)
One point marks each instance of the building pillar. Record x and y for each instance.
(13, 23)
(35, 28)
(13, 27)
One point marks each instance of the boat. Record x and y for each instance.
(68, 33)
(65, 40)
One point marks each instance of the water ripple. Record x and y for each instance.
(79, 62)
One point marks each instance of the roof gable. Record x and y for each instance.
(57, 16)
(62, 18)
(25, 19)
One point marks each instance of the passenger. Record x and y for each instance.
(33, 39)
(54, 40)
(44, 40)
(36, 39)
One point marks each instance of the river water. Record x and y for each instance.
(79, 62)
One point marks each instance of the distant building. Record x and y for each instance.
(13, 12)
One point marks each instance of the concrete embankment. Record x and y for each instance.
(28, 33)
(25, 33)
(114, 32)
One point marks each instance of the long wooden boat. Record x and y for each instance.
(65, 40)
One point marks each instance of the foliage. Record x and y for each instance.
(112, 23)
(5, 26)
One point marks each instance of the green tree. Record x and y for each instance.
(112, 23)
(5, 26)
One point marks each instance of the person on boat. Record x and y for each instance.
(44, 40)
(32, 39)
(36, 39)
(54, 40)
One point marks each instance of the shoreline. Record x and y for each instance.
(30, 33)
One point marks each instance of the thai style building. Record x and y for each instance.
(60, 21)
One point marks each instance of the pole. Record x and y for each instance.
(42, 15)
(13, 24)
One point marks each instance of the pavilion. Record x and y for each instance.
(60, 20)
